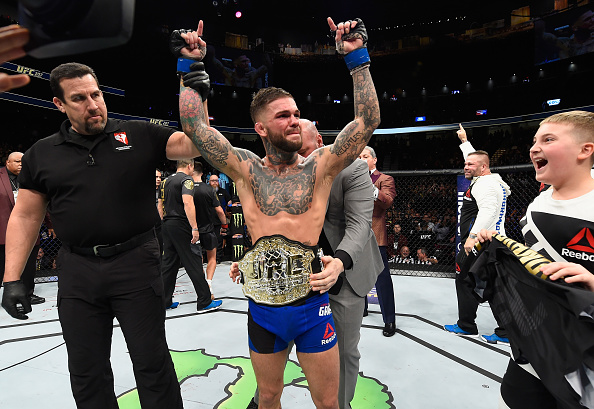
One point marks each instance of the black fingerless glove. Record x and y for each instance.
(359, 58)
(197, 79)
(176, 42)
(358, 31)
(15, 292)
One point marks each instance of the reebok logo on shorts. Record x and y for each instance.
(329, 335)
(325, 310)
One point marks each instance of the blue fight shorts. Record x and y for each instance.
(270, 329)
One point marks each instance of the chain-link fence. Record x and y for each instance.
(425, 216)
(46, 257)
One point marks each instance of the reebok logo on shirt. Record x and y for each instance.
(583, 243)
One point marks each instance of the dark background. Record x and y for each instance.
(494, 71)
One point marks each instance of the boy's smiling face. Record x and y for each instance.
(554, 153)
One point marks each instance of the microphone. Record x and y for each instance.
(91, 160)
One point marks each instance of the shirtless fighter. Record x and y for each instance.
(284, 200)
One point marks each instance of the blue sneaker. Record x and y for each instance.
(455, 329)
(495, 339)
(172, 306)
(214, 305)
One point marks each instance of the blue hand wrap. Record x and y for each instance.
(356, 58)
(183, 64)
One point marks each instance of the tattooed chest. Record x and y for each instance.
(292, 194)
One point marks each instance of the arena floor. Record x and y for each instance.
(422, 366)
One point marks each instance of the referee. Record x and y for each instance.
(94, 176)
(180, 231)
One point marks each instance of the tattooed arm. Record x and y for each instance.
(211, 144)
(356, 134)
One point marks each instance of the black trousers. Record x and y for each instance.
(176, 247)
(467, 302)
(220, 241)
(385, 291)
(28, 276)
(92, 292)
(521, 390)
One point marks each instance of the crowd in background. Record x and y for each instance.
(425, 206)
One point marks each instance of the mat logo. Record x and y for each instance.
(329, 335)
(238, 390)
(121, 137)
(325, 310)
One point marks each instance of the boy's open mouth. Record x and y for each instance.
(540, 163)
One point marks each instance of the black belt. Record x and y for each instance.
(109, 250)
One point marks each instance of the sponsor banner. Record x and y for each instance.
(22, 99)
(462, 185)
(32, 72)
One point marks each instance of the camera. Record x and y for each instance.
(64, 27)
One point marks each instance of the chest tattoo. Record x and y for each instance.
(290, 192)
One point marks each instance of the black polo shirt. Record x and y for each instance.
(174, 187)
(101, 195)
(224, 199)
(205, 200)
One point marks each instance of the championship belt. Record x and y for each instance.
(276, 270)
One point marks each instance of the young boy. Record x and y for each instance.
(559, 224)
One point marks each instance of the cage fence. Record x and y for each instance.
(424, 213)
(424, 216)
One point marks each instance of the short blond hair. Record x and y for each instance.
(582, 121)
(484, 156)
(182, 163)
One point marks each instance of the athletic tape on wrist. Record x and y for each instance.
(183, 64)
(356, 58)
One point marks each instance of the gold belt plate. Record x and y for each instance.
(276, 271)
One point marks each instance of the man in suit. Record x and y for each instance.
(9, 190)
(384, 193)
(347, 235)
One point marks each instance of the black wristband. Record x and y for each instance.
(197, 79)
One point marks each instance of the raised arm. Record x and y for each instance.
(465, 146)
(351, 39)
(194, 88)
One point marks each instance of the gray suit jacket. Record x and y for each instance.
(348, 225)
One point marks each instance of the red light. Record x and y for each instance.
(238, 14)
